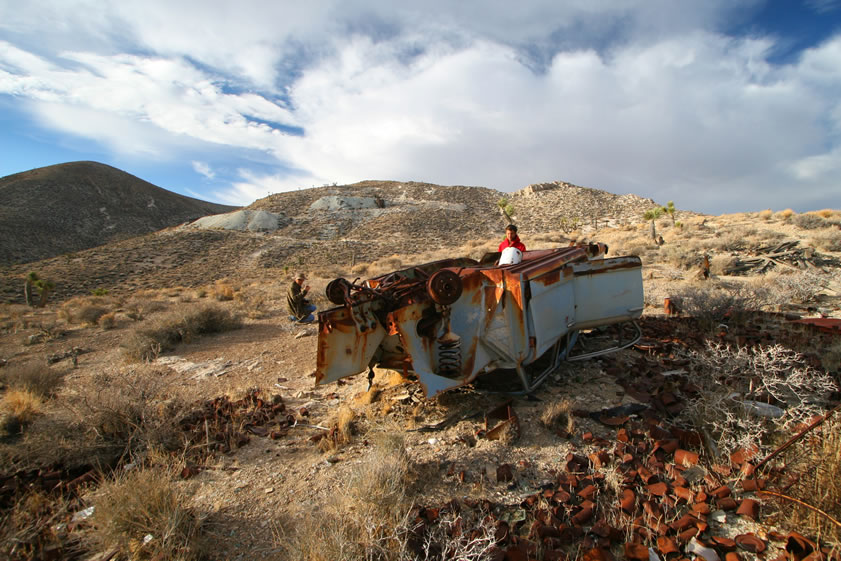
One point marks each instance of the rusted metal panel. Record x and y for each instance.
(829, 325)
(452, 320)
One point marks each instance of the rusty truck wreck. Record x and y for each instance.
(450, 321)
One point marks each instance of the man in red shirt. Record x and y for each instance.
(511, 239)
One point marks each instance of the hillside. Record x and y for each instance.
(317, 229)
(69, 207)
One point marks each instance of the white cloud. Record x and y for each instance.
(202, 168)
(253, 186)
(641, 97)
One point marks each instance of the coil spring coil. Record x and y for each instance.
(449, 357)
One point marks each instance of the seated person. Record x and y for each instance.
(296, 300)
(511, 239)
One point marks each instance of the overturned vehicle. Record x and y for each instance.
(450, 321)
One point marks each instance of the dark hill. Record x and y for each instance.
(64, 208)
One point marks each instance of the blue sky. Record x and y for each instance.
(717, 105)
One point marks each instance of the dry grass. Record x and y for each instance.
(32, 376)
(223, 291)
(557, 417)
(342, 430)
(108, 321)
(820, 485)
(180, 326)
(785, 214)
(829, 213)
(87, 310)
(368, 519)
(22, 405)
(766, 214)
(143, 514)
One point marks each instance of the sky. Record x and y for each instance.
(718, 105)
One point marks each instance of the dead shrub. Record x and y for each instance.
(223, 291)
(785, 214)
(729, 241)
(792, 287)
(720, 264)
(360, 269)
(178, 327)
(766, 214)
(557, 417)
(143, 514)
(828, 213)
(90, 315)
(828, 240)
(747, 394)
(679, 256)
(33, 376)
(133, 411)
(108, 321)
(809, 221)
(712, 301)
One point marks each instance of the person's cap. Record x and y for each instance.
(300, 276)
(512, 227)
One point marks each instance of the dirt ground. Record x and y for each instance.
(255, 492)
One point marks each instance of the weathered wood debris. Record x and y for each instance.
(787, 254)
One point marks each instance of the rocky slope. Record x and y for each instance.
(313, 229)
(64, 208)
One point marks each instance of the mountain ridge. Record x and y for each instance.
(73, 206)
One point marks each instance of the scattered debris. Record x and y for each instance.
(785, 254)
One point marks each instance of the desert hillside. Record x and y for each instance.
(323, 228)
(69, 207)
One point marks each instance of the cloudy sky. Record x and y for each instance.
(718, 105)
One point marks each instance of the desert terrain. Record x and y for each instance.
(161, 404)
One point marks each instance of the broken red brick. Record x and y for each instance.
(636, 552)
(666, 545)
(684, 494)
(725, 543)
(658, 489)
(598, 554)
(749, 508)
(684, 522)
(750, 542)
(687, 534)
(587, 492)
(685, 458)
(701, 508)
(727, 503)
(627, 500)
(721, 492)
(732, 556)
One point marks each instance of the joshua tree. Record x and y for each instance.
(44, 288)
(670, 210)
(653, 214)
(31, 279)
(506, 208)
